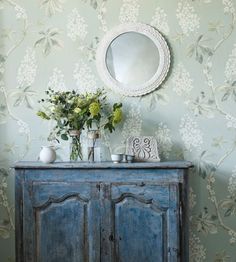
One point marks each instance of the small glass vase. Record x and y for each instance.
(75, 146)
(94, 146)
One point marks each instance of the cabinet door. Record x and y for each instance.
(144, 223)
(65, 224)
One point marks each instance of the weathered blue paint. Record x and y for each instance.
(78, 212)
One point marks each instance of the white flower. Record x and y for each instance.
(56, 81)
(76, 26)
(230, 68)
(197, 250)
(163, 139)
(231, 123)
(133, 124)
(27, 70)
(232, 183)
(2, 67)
(85, 79)
(181, 80)
(129, 11)
(101, 14)
(232, 236)
(191, 135)
(192, 198)
(23, 127)
(20, 12)
(228, 6)
(187, 18)
(159, 20)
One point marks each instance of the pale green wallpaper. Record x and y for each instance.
(193, 115)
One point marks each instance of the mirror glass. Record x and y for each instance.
(132, 59)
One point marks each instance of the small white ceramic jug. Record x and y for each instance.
(47, 154)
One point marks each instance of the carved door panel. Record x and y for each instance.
(144, 223)
(65, 224)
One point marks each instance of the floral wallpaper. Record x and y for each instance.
(52, 43)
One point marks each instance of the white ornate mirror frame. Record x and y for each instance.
(158, 77)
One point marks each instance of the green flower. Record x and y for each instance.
(117, 116)
(77, 110)
(43, 115)
(94, 108)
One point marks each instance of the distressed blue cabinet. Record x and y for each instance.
(78, 212)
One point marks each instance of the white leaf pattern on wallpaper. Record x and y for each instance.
(190, 133)
(201, 106)
(181, 80)
(159, 21)
(48, 40)
(230, 68)
(231, 121)
(23, 127)
(232, 236)
(164, 140)
(228, 6)
(52, 6)
(129, 11)
(85, 79)
(20, 12)
(187, 17)
(76, 26)
(197, 250)
(192, 198)
(232, 183)
(101, 15)
(56, 80)
(27, 70)
(133, 124)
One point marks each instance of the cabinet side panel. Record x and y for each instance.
(173, 225)
(184, 218)
(19, 215)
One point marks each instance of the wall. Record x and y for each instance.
(53, 43)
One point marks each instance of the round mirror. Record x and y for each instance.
(133, 59)
(131, 64)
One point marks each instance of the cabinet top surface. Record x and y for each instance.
(103, 165)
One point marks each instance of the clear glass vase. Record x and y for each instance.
(75, 145)
(94, 146)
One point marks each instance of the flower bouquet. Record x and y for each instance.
(72, 112)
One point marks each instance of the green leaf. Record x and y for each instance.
(64, 137)
(226, 96)
(4, 232)
(3, 172)
(23, 97)
(228, 212)
(199, 57)
(152, 104)
(206, 50)
(229, 205)
(38, 42)
(199, 38)
(204, 167)
(191, 50)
